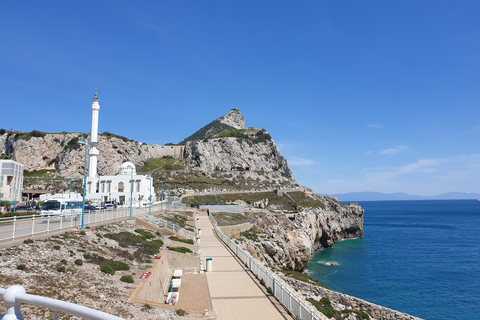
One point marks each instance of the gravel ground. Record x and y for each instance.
(37, 266)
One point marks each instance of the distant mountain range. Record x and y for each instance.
(378, 196)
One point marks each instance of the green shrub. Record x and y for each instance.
(180, 249)
(61, 269)
(72, 144)
(79, 262)
(21, 267)
(262, 282)
(146, 307)
(127, 279)
(324, 306)
(115, 265)
(180, 312)
(251, 234)
(56, 247)
(63, 261)
(87, 256)
(189, 241)
(107, 269)
(145, 234)
(269, 290)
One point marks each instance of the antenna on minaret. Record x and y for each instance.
(96, 93)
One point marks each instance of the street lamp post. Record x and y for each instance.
(82, 227)
(131, 190)
(168, 201)
(15, 201)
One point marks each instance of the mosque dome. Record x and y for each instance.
(126, 168)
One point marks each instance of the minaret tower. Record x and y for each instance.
(93, 152)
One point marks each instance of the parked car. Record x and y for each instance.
(89, 208)
(24, 208)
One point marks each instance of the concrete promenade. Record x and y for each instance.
(234, 291)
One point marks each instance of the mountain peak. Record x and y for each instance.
(233, 119)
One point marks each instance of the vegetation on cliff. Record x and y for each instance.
(208, 131)
(163, 164)
(294, 200)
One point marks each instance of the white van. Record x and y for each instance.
(57, 208)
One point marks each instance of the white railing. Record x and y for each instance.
(15, 295)
(293, 301)
(224, 208)
(170, 226)
(11, 228)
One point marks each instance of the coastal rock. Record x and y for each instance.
(290, 244)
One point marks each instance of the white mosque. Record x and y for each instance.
(126, 187)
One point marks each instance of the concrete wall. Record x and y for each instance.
(156, 286)
(157, 151)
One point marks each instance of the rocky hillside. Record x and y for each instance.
(225, 152)
(62, 152)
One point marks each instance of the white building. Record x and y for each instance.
(122, 188)
(126, 187)
(11, 180)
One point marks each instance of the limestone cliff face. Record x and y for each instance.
(233, 119)
(63, 153)
(290, 244)
(227, 154)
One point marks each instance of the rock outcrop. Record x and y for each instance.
(290, 242)
(233, 119)
(63, 153)
(244, 154)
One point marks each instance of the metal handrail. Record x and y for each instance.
(19, 226)
(15, 295)
(170, 226)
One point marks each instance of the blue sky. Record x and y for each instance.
(359, 95)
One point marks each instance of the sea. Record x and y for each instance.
(419, 257)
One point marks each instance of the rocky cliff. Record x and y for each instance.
(244, 154)
(289, 241)
(63, 153)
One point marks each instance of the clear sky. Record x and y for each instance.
(358, 95)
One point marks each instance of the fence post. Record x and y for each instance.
(33, 225)
(14, 225)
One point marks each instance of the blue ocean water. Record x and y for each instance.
(417, 257)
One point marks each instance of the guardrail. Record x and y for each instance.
(15, 295)
(170, 226)
(293, 301)
(11, 228)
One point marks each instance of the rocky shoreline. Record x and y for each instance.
(289, 241)
(341, 302)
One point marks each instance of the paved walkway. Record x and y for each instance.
(234, 292)
(193, 293)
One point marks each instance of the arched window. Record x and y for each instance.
(120, 186)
